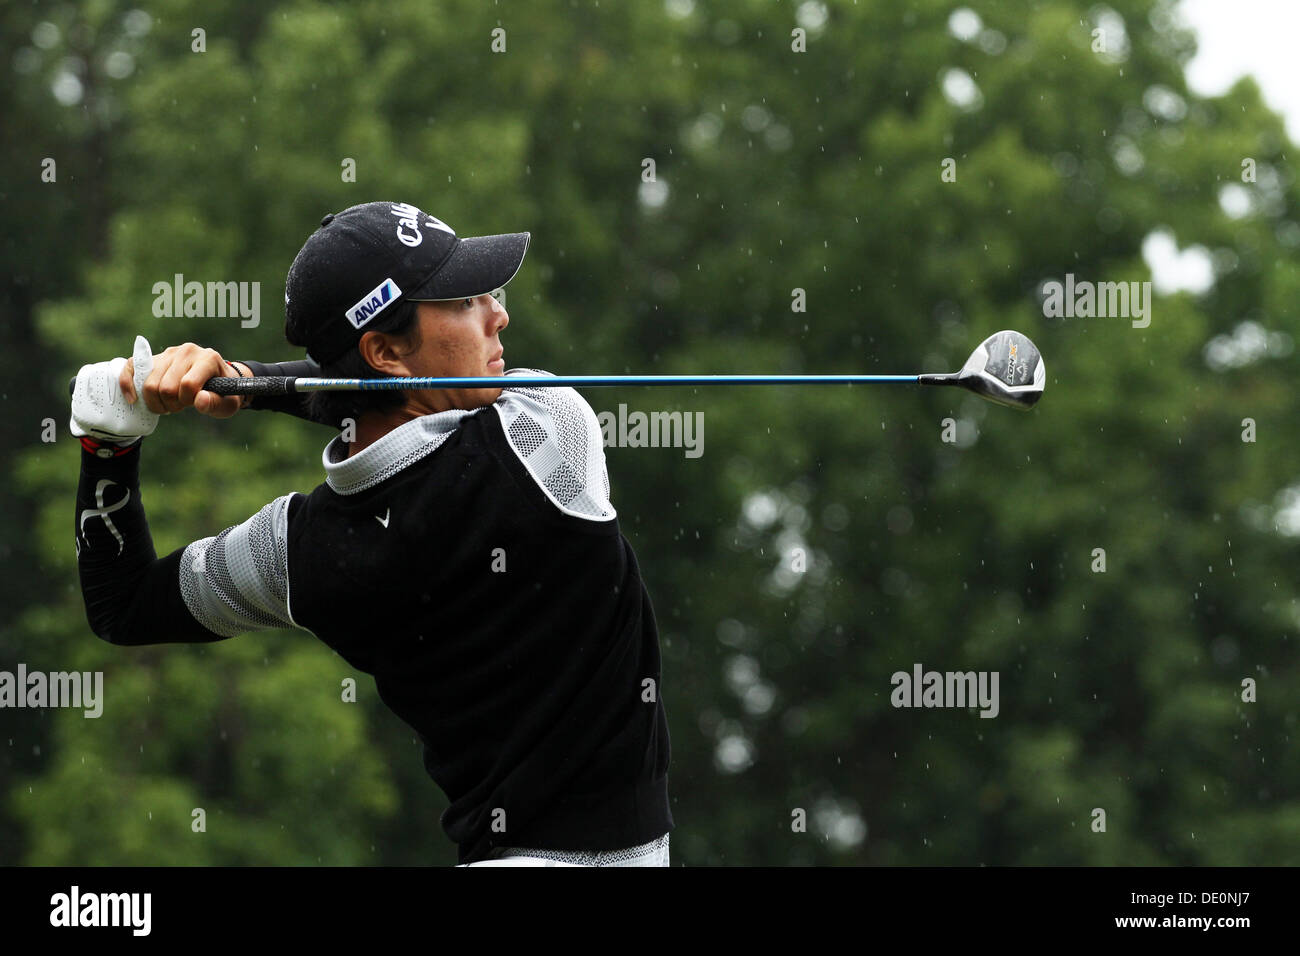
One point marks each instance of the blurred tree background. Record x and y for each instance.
(774, 170)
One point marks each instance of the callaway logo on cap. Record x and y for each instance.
(362, 261)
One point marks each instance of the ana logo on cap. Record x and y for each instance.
(375, 301)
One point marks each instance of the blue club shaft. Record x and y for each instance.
(584, 381)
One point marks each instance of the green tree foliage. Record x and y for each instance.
(773, 171)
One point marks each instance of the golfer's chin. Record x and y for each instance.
(472, 398)
(498, 369)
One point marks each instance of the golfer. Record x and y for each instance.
(462, 548)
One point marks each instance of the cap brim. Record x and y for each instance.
(477, 266)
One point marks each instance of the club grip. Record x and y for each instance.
(264, 386)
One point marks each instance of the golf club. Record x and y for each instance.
(1007, 369)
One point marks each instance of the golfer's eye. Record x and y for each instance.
(468, 303)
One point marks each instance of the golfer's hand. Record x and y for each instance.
(176, 382)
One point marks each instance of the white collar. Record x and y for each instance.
(399, 448)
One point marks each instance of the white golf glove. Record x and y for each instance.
(99, 408)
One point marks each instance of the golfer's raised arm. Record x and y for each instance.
(212, 589)
(209, 590)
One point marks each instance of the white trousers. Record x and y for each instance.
(654, 853)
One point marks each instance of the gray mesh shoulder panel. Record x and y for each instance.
(237, 581)
(555, 434)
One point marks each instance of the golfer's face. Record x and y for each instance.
(462, 339)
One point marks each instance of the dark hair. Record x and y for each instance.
(333, 407)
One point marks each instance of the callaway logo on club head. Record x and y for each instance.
(408, 231)
(1009, 367)
(1015, 370)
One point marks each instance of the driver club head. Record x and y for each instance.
(1006, 368)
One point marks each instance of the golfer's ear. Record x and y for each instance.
(384, 352)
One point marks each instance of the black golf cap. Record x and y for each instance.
(366, 258)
